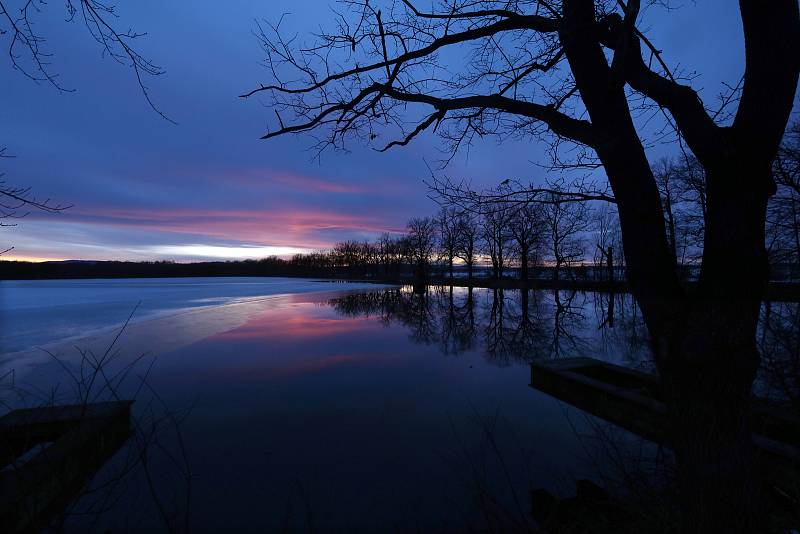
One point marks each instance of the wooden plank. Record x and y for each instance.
(25, 417)
(631, 399)
(768, 419)
(32, 494)
(50, 420)
(22, 429)
(630, 410)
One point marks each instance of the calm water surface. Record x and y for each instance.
(345, 407)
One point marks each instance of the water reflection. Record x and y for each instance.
(345, 407)
(520, 327)
(779, 342)
(517, 326)
(511, 326)
(339, 410)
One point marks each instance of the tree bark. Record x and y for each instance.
(707, 380)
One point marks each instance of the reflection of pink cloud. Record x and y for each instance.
(297, 327)
(287, 227)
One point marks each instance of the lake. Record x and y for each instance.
(273, 403)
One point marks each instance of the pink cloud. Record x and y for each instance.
(286, 227)
(308, 183)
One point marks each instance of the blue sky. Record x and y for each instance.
(142, 188)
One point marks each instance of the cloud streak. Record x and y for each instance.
(299, 227)
(308, 183)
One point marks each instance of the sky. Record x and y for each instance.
(142, 188)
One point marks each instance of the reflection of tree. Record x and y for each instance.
(510, 326)
(420, 318)
(529, 333)
(567, 317)
(415, 311)
(457, 324)
(633, 338)
(381, 304)
(779, 341)
(604, 307)
(621, 329)
(494, 330)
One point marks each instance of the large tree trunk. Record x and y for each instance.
(704, 344)
(709, 372)
(707, 378)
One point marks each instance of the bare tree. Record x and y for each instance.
(566, 224)
(467, 242)
(691, 181)
(682, 185)
(664, 173)
(422, 243)
(569, 72)
(607, 238)
(496, 237)
(527, 227)
(387, 250)
(449, 230)
(783, 216)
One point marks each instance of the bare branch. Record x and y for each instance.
(445, 191)
(30, 58)
(696, 126)
(437, 116)
(527, 22)
(462, 15)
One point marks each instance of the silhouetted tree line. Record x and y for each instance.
(527, 238)
(524, 241)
